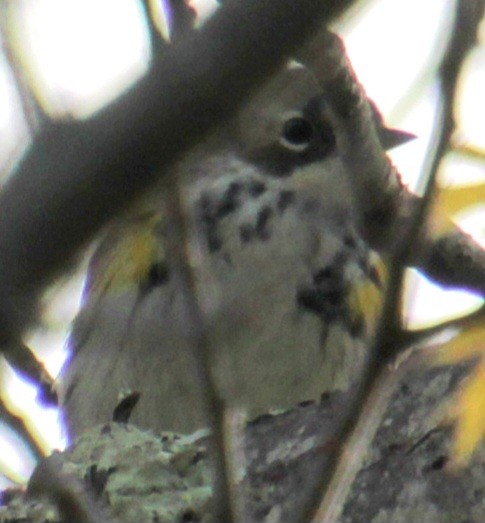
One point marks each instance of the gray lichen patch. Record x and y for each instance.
(139, 475)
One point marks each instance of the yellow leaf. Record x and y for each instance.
(470, 415)
(450, 201)
(469, 343)
(468, 405)
(468, 150)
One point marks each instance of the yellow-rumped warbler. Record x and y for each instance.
(288, 289)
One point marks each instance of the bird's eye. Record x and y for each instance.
(297, 134)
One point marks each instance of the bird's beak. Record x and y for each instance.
(391, 138)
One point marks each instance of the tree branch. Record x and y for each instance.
(79, 174)
(17, 424)
(32, 112)
(386, 209)
(182, 19)
(24, 361)
(391, 217)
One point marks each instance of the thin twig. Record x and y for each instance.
(16, 423)
(385, 348)
(11, 477)
(181, 23)
(32, 111)
(182, 19)
(70, 496)
(156, 38)
(455, 259)
(177, 242)
(24, 362)
(354, 449)
(385, 207)
(375, 184)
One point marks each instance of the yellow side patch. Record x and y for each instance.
(125, 256)
(366, 295)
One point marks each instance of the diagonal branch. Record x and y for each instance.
(24, 361)
(386, 209)
(17, 424)
(182, 19)
(79, 174)
(391, 214)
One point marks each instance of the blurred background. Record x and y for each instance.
(78, 55)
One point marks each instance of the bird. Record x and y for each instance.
(288, 290)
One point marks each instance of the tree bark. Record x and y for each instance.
(405, 476)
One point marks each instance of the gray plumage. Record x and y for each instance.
(278, 264)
